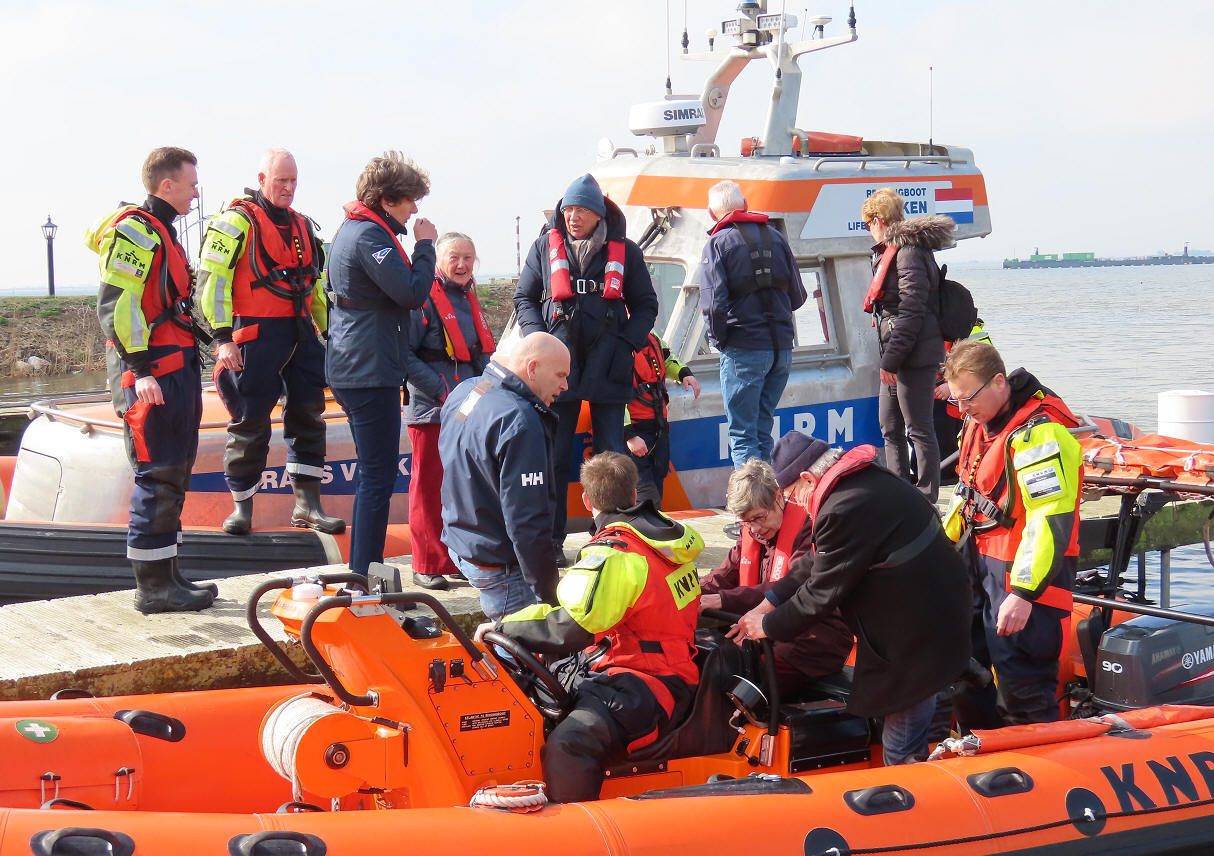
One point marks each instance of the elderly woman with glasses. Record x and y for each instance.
(776, 533)
(904, 298)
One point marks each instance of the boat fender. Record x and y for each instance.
(251, 845)
(83, 842)
(524, 796)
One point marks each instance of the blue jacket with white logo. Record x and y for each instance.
(498, 492)
(369, 336)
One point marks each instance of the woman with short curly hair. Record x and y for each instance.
(374, 286)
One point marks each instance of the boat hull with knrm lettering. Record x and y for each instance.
(399, 726)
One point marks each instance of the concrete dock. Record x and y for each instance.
(99, 643)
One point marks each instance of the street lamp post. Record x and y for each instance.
(48, 231)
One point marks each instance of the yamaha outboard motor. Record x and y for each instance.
(1148, 661)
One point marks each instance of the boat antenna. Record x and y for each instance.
(518, 258)
(931, 104)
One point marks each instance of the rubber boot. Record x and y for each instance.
(308, 514)
(180, 580)
(156, 591)
(240, 521)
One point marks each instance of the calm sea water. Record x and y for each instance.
(1108, 340)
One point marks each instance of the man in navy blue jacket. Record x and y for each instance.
(749, 288)
(498, 492)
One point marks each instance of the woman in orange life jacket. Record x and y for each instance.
(449, 341)
(776, 533)
(374, 286)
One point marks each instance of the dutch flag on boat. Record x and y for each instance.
(956, 202)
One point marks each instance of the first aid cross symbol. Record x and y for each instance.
(36, 730)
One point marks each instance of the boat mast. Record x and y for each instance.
(762, 35)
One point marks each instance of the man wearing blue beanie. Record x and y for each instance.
(588, 285)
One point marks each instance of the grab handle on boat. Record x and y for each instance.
(268, 641)
(152, 724)
(297, 807)
(881, 799)
(85, 841)
(251, 845)
(371, 699)
(64, 802)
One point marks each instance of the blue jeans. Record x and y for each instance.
(904, 735)
(502, 591)
(752, 383)
(607, 430)
(374, 418)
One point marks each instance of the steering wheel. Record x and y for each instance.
(532, 676)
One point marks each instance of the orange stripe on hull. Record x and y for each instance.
(774, 196)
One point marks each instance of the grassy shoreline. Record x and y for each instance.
(64, 331)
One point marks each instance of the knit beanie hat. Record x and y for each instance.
(585, 192)
(793, 454)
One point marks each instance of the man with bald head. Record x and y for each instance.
(262, 292)
(499, 495)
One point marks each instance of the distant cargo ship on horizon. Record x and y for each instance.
(1056, 260)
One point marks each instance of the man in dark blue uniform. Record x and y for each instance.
(499, 495)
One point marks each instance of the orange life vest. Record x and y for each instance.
(655, 636)
(275, 276)
(446, 314)
(751, 549)
(851, 461)
(876, 288)
(559, 281)
(649, 395)
(991, 505)
(167, 307)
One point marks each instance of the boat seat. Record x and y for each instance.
(705, 730)
(836, 686)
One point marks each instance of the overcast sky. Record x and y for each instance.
(1091, 119)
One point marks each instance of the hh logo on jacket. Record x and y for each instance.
(530, 479)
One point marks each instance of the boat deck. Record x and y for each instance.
(99, 643)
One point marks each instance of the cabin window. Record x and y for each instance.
(668, 279)
(813, 329)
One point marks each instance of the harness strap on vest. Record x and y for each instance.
(177, 306)
(649, 390)
(292, 283)
(560, 283)
(909, 551)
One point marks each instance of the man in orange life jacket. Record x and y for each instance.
(588, 285)
(144, 309)
(262, 293)
(631, 600)
(776, 533)
(882, 559)
(750, 285)
(1015, 516)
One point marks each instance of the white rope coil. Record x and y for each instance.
(284, 727)
(520, 797)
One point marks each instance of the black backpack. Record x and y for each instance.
(957, 311)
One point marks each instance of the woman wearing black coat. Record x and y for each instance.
(906, 287)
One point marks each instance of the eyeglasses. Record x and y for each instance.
(868, 224)
(960, 401)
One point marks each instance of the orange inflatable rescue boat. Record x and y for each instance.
(408, 738)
